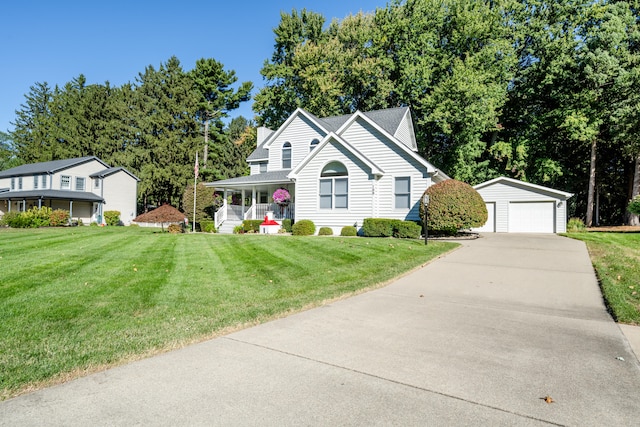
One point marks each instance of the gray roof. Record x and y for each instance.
(259, 153)
(48, 167)
(111, 171)
(388, 119)
(51, 194)
(262, 178)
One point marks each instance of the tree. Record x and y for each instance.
(8, 158)
(34, 127)
(207, 202)
(216, 96)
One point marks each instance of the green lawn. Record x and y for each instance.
(616, 258)
(76, 300)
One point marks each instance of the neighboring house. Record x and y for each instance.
(338, 170)
(84, 186)
(520, 207)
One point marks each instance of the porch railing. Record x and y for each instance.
(279, 212)
(221, 214)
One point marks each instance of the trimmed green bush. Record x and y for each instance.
(634, 206)
(325, 231)
(304, 227)
(378, 227)
(348, 231)
(112, 217)
(407, 230)
(575, 225)
(238, 229)
(251, 225)
(453, 206)
(286, 224)
(208, 226)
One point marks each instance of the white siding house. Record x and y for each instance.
(338, 170)
(85, 186)
(520, 207)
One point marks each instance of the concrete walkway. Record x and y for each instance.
(478, 337)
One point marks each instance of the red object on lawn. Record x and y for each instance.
(268, 221)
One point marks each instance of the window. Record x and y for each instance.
(314, 144)
(79, 184)
(263, 197)
(286, 156)
(263, 167)
(402, 192)
(334, 187)
(44, 181)
(13, 183)
(96, 183)
(65, 182)
(20, 183)
(35, 182)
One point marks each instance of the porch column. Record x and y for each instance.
(253, 202)
(70, 209)
(40, 203)
(24, 205)
(243, 203)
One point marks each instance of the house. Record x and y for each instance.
(520, 207)
(85, 186)
(338, 170)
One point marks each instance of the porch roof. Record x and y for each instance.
(82, 196)
(273, 177)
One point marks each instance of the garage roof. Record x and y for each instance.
(524, 185)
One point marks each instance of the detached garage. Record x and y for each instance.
(520, 207)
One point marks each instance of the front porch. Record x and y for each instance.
(238, 213)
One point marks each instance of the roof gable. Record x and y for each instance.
(524, 185)
(375, 170)
(110, 171)
(292, 117)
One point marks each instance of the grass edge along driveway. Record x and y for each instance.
(76, 301)
(616, 259)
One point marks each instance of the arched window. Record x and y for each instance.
(313, 144)
(334, 186)
(286, 156)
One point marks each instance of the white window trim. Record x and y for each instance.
(84, 183)
(395, 193)
(62, 179)
(290, 149)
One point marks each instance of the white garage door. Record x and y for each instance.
(531, 217)
(490, 225)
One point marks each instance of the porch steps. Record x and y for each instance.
(228, 226)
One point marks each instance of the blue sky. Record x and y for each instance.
(55, 41)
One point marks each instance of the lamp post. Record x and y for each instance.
(425, 203)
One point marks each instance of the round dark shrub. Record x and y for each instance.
(348, 231)
(453, 206)
(325, 231)
(304, 227)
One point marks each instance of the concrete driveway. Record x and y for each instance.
(478, 337)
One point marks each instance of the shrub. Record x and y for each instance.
(95, 224)
(575, 225)
(304, 227)
(238, 229)
(349, 230)
(37, 217)
(407, 230)
(13, 220)
(58, 218)
(251, 225)
(174, 229)
(112, 217)
(454, 205)
(286, 224)
(325, 231)
(634, 205)
(378, 227)
(208, 226)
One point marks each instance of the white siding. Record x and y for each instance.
(395, 162)
(360, 190)
(81, 171)
(119, 193)
(502, 194)
(299, 133)
(404, 132)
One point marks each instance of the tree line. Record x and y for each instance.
(153, 127)
(544, 91)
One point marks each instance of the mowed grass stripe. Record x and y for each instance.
(98, 297)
